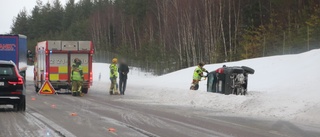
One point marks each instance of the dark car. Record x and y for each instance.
(12, 86)
(229, 80)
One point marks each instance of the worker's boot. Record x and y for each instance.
(115, 90)
(192, 87)
(78, 93)
(81, 94)
(111, 92)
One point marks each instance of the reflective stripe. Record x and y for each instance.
(54, 77)
(86, 77)
(63, 77)
(54, 69)
(63, 69)
(58, 73)
(85, 69)
(60, 77)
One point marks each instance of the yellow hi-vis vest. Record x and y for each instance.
(197, 73)
(113, 70)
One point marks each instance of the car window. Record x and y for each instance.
(6, 70)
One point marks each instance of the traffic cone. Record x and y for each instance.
(112, 130)
(73, 114)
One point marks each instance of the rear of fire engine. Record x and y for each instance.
(53, 63)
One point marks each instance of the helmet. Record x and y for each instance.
(114, 60)
(201, 64)
(76, 60)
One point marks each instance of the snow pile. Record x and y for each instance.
(283, 87)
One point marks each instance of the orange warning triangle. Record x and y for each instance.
(47, 89)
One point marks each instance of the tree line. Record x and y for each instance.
(166, 35)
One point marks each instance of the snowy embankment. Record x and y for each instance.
(283, 87)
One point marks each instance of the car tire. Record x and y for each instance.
(23, 104)
(237, 70)
(16, 107)
(248, 69)
(85, 90)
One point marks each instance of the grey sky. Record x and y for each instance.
(10, 8)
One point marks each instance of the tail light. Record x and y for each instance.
(20, 79)
(220, 70)
(91, 78)
(47, 76)
(19, 82)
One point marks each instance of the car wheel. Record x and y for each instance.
(248, 69)
(21, 106)
(245, 92)
(16, 107)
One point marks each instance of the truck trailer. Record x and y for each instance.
(14, 48)
(54, 59)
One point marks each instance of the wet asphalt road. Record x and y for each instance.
(101, 115)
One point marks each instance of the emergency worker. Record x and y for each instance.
(77, 78)
(113, 76)
(197, 75)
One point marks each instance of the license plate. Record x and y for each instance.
(1, 83)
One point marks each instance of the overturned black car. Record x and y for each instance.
(229, 80)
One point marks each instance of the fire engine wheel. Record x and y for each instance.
(85, 90)
(36, 89)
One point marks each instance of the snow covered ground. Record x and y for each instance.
(284, 87)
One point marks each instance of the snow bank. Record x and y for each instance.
(283, 87)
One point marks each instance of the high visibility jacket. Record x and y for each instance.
(77, 73)
(113, 71)
(198, 73)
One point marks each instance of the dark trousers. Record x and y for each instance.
(122, 84)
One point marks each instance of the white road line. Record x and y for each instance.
(52, 125)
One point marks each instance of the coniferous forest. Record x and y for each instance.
(166, 35)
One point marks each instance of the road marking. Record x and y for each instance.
(114, 121)
(155, 116)
(43, 128)
(60, 130)
(243, 126)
